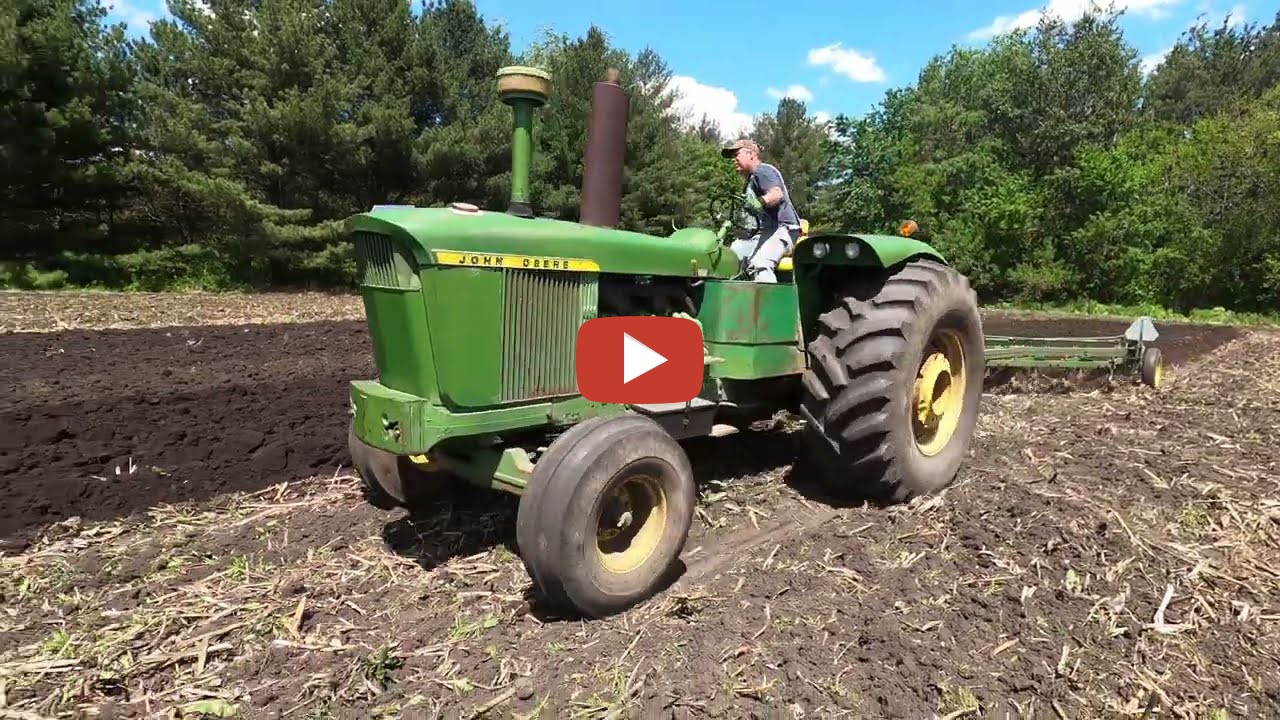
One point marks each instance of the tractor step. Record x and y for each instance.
(682, 420)
(664, 408)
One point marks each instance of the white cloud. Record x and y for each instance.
(857, 66)
(1235, 16)
(1151, 62)
(822, 116)
(1070, 10)
(694, 100)
(797, 92)
(1208, 18)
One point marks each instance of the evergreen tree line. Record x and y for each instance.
(225, 149)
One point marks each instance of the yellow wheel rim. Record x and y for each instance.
(631, 523)
(938, 394)
(1158, 380)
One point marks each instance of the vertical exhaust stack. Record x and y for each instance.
(606, 150)
(525, 89)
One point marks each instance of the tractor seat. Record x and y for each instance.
(785, 265)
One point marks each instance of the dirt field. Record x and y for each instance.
(181, 537)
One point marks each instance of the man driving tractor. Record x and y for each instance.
(778, 222)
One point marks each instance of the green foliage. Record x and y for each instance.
(1206, 73)
(669, 171)
(255, 129)
(66, 104)
(224, 150)
(24, 276)
(1208, 315)
(1050, 171)
(187, 267)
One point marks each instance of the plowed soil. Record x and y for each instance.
(182, 536)
(104, 424)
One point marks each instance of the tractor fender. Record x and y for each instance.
(872, 250)
(880, 251)
(825, 263)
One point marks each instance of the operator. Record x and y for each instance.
(778, 221)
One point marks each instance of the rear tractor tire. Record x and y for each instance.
(892, 395)
(391, 481)
(605, 516)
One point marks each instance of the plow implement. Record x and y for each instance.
(1131, 352)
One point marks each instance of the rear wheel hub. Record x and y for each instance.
(938, 393)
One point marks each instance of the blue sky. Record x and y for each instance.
(732, 60)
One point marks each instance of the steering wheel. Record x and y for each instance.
(730, 214)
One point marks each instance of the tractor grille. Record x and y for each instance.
(541, 315)
(381, 263)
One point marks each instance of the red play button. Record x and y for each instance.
(639, 360)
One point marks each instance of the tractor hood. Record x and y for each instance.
(465, 236)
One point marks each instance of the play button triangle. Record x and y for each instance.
(637, 358)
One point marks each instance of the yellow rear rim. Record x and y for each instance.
(632, 520)
(938, 394)
(1158, 380)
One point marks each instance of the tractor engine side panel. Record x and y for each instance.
(753, 328)
(391, 289)
(749, 312)
(505, 335)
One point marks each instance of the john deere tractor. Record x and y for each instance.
(872, 340)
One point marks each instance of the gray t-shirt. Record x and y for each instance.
(763, 179)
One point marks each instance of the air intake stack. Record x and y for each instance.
(525, 89)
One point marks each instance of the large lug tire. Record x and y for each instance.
(892, 396)
(606, 514)
(391, 481)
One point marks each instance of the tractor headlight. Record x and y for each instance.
(851, 250)
(819, 249)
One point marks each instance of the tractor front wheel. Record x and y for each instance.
(606, 514)
(391, 481)
(892, 394)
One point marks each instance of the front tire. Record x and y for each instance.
(389, 481)
(606, 514)
(892, 396)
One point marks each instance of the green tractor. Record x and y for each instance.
(873, 340)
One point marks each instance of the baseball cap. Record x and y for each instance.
(733, 147)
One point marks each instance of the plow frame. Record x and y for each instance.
(1128, 352)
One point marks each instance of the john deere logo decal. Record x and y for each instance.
(518, 262)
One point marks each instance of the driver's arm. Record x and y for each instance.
(770, 181)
